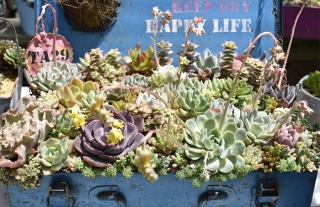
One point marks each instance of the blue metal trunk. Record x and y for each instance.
(225, 20)
(257, 189)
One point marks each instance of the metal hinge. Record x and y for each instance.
(220, 195)
(59, 195)
(107, 195)
(267, 195)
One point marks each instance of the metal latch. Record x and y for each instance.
(59, 195)
(107, 195)
(218, 194)
(267, 195)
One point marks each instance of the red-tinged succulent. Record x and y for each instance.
(101, 143)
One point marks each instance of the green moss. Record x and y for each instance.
(313, 82)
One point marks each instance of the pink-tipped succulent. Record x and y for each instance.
(102, 144)
(287, 136)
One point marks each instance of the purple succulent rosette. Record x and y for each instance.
(93, 142)
(287, 136)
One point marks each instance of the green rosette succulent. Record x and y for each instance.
(9, 58)
(54, 154)
(49, 99)
(79, 93)
(258, 124)
(220, 149)
(53, 78)
(242, 95)
(23, 129)
(140, 62)
(137, 80)
(162, 144)
(313, 82)
(208, 65)
(64, 127)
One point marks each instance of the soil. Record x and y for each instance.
(7, 85)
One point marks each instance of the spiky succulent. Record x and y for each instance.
(23, 129)
(53, 78)
(103, 142)
(218, 148)
(96, 66)
(140, 62)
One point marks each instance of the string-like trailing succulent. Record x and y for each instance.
(53, 78)
(165, 52)
(140, 62)
(96, 66)
(109, 137)
(23, 129)
(220, 149)
(208, 65)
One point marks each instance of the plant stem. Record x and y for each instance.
(291, 39)
(235, 81)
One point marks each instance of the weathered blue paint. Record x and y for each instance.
(226, 20)
(294, 189)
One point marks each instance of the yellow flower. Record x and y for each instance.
(118, 124)
(74, 111)
(79, 121)
(115, 135)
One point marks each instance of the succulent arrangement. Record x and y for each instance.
(313, 83)
(203, 119)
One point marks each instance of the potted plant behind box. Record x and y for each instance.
(307, 27)
(11, 64)
(309, 90)
(151, 121)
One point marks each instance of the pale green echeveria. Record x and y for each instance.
(165, 74)
(54, 154)
(137, 80)
(220, 149)
(259, 126)
(53, 78)
(49, 99)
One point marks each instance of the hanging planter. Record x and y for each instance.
(91, 15)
